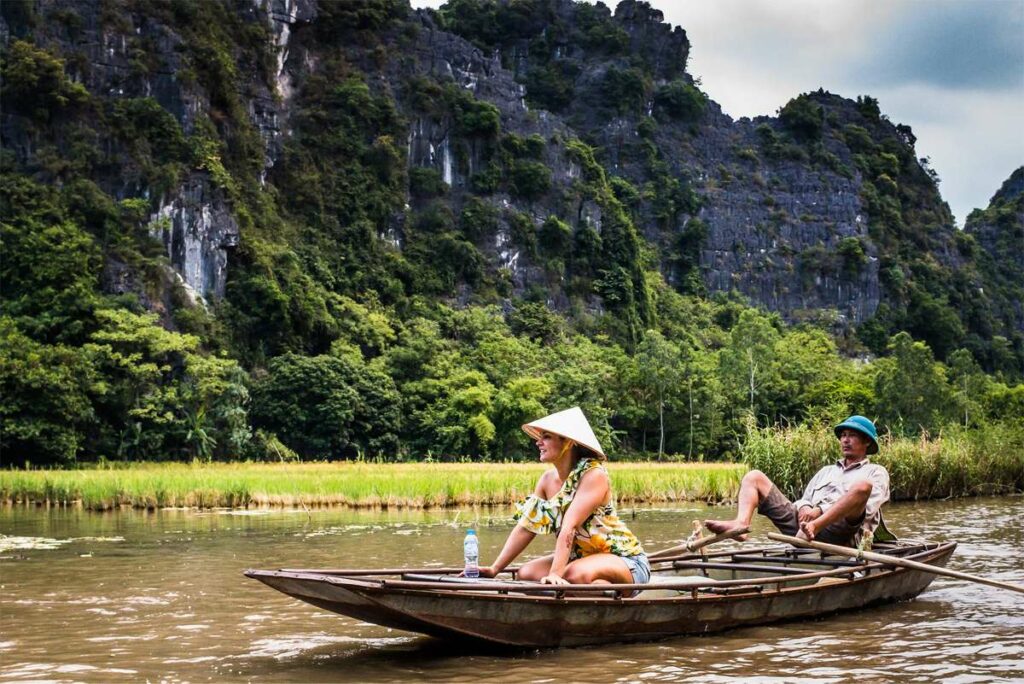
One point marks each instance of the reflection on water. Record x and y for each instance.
(131, 595)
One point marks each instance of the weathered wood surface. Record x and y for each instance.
(527, 614)
(889, 560)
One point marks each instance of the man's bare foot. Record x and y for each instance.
(721, 526)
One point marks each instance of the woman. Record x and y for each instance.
(573, 500)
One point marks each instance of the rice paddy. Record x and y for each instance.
(955, 463)
(422, 485)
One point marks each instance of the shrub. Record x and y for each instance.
(858, 139)
(556, 236)
(478, 219)
(530, 179)
(473, 117)
(803, 118)
(551, 86)
(624, 90)
(851, 251)
(35, 84)
(680, 100)
(346, 15)
(487, 181)
(425, 182)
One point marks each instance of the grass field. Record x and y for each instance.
(954, 463)
(208, 485)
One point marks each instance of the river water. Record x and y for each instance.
(160, 596)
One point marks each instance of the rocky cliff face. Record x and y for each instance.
(999, 231)
(803, 214)
(127, 50)
(773, 225)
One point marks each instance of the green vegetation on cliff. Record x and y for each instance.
(365, 313)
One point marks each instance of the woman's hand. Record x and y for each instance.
(485, 571)
(553, 579)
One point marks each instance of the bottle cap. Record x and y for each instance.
(470, 531)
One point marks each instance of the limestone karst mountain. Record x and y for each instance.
(320, 179)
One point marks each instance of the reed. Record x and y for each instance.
(423, 485)
(954, 463)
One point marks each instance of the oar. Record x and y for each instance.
(697, 544)
(891, 560)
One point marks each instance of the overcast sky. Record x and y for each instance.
(953, 70)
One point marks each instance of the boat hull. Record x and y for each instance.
(546, 621)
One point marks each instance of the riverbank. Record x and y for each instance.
(421, 485)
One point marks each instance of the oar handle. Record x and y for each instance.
(891, 560)
(698, 544)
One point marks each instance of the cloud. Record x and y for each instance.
(951, 69)
(948, 44)
(974, 143)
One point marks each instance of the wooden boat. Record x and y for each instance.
(690, 594)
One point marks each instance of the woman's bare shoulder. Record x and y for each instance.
(548, 484)
(596, 475)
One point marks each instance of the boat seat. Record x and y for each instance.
(654, 592)
(421, 577)
(681, 579)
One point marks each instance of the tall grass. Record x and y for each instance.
(350, 484)
(954, 463)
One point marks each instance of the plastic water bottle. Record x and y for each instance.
(471, 552)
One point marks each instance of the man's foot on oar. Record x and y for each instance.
(723, 526)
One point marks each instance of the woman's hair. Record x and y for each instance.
(580, 452)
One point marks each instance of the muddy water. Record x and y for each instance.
(159, 596)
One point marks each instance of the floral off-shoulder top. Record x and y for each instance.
(601, 532)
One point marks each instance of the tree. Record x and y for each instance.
(160, 398)
(809, 367)
(45, 399)
(534, 320)
(749, 362)
(968, 383)
(661, 368)
(519, 402)
(911, 389)
(329, 406)
(455, 419)
(35, 82)
(309, 402)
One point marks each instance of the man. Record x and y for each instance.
(841, 504)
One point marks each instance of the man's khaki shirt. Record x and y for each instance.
(833, 481)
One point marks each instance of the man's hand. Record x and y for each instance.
(807, 514)
(808, 530)
(553, 579)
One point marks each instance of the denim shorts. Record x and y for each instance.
(639, 568)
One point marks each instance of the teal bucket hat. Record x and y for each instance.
(863, 426)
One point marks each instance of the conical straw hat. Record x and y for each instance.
(570, 424)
